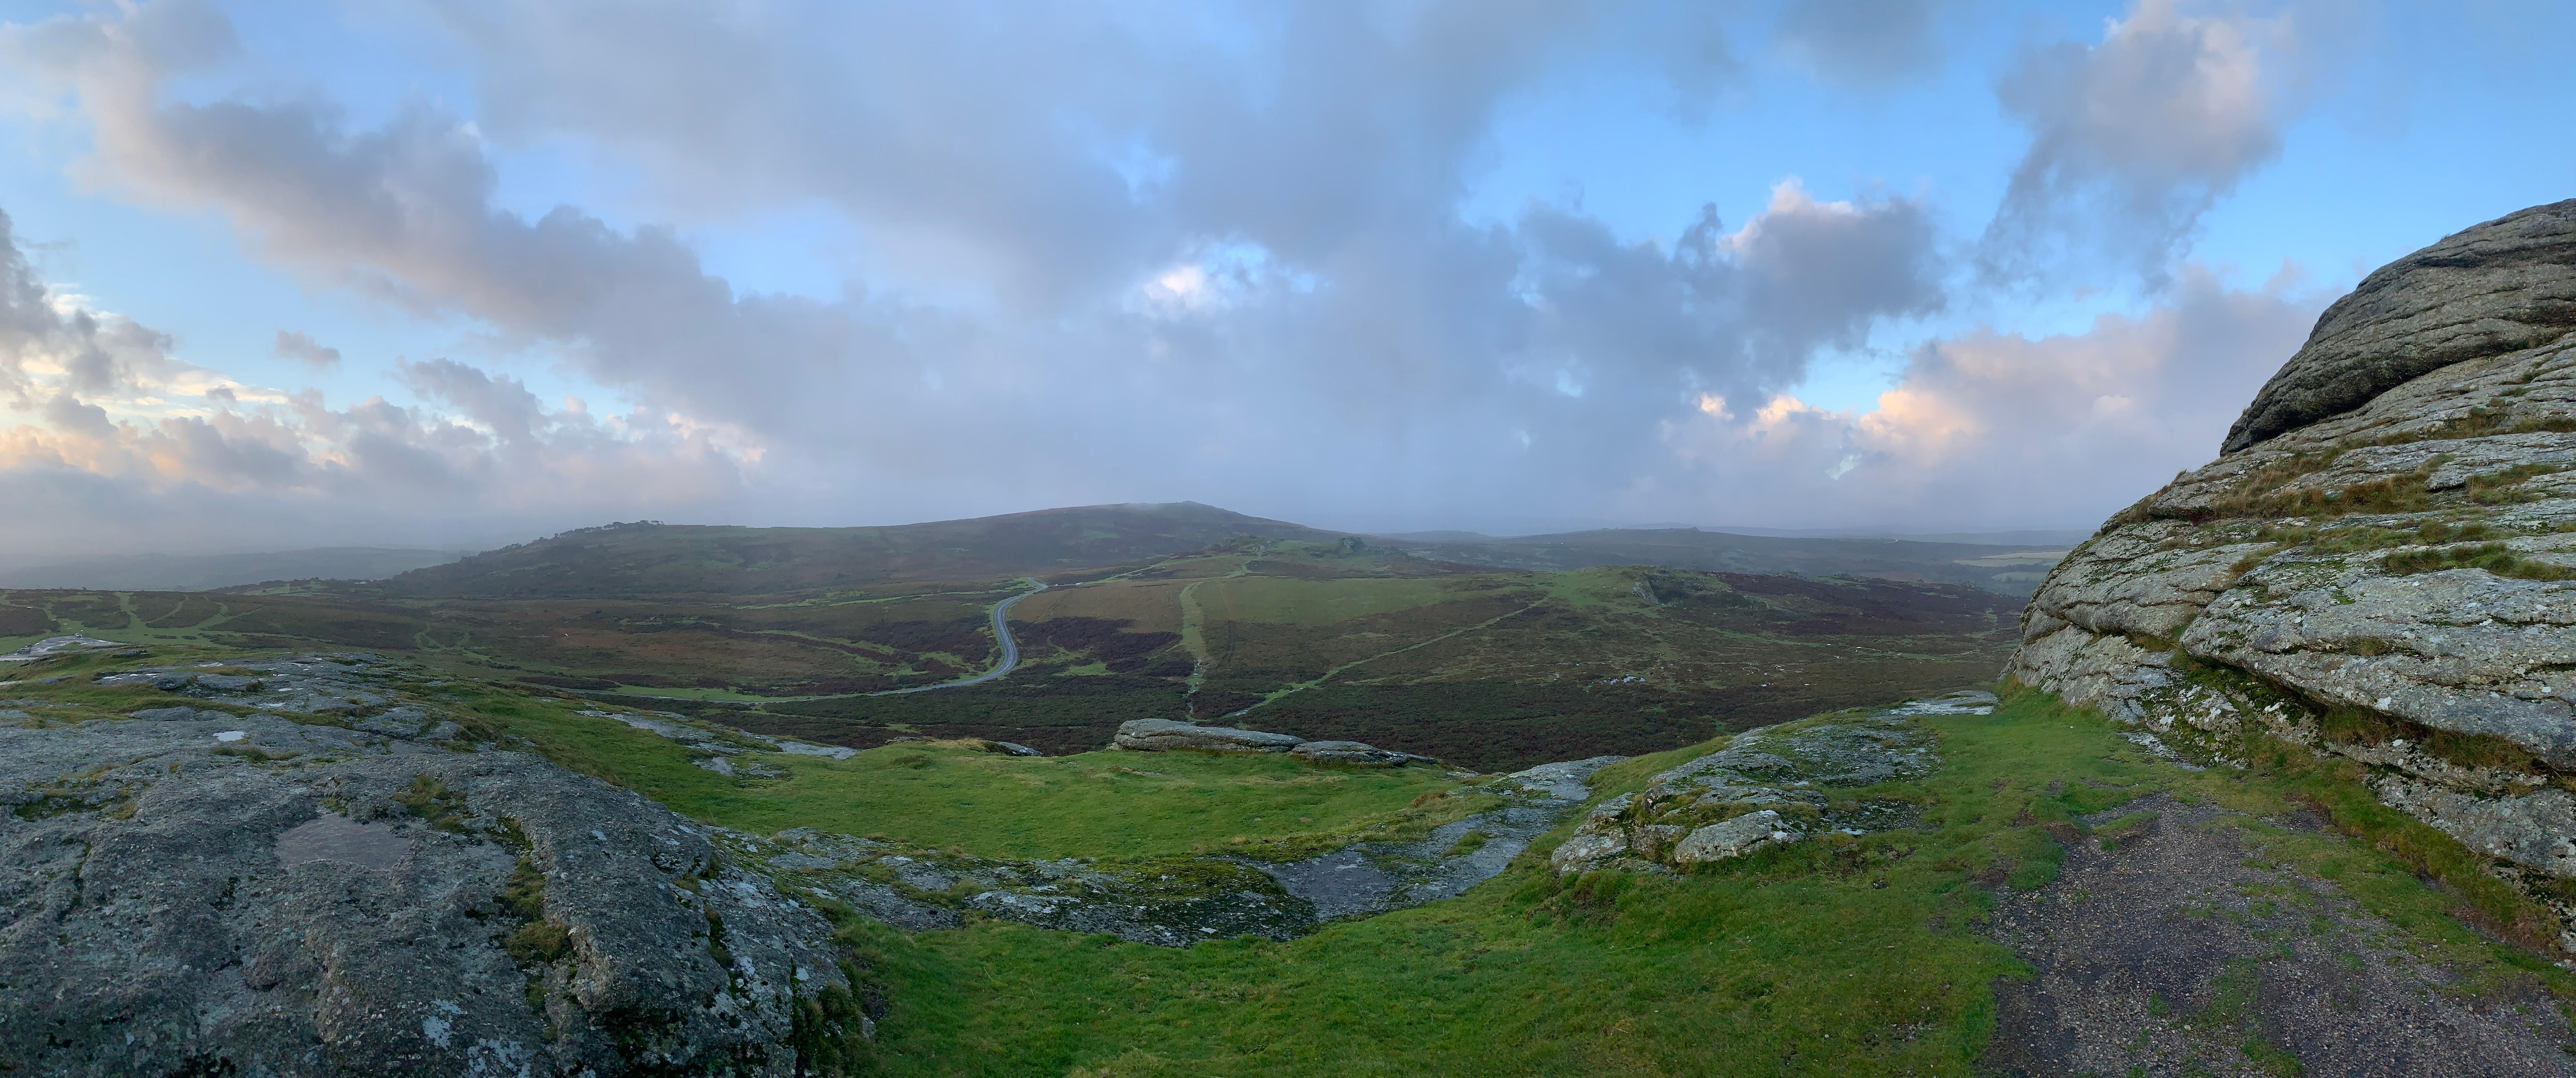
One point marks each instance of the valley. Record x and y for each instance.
(1324, 638)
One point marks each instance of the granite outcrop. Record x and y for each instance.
(301, 868)
(1165, 735)
(1766, 787)
(2381, 566)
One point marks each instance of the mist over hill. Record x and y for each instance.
(174, 572)
(2006, 569)
(649, 558)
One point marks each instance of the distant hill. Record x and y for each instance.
(646, 558)
(621, 560)
(2051, 538)
(2009, 570)
(167, 572)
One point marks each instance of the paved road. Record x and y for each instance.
(1010, 650)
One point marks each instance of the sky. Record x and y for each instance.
(449, 273)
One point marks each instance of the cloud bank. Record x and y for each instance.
(1225, 262)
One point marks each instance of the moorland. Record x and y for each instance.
(1182, 612)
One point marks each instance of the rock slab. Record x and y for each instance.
(191, 891)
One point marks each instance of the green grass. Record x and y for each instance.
(1833, 956)
(1100, 804)
(1836, 955)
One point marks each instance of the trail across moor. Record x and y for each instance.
(1002, 632)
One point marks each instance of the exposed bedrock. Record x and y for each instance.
(2503, 286)
(195, 892)
(2383, 567)
(1165, 735)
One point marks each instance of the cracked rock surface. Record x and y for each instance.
(1768, 786)
(2382, 567)
(189, 890)
(2503, 286)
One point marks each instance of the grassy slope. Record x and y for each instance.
(1835, 956)
(1102, 804)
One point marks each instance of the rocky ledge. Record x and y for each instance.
(1165, 735)
(1766, 787)
(2382, 567)
(1182, 900)
(310, 878)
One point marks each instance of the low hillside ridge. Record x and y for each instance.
(649, 558)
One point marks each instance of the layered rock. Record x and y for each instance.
(2380, 567)
(2503, 286)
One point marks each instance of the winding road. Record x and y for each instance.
(1001, 630)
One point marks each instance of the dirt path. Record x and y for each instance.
(2184, 952)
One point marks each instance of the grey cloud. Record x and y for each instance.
(1863, 44)
(92, 456)
(299, 345)
(97, 354)
(1735, 314)
(1367, 351)
(2134, 138)
(502, 404)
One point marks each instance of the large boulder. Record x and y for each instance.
(2382, 566)
(2503, 286)
(197, 892)
(1164, 735)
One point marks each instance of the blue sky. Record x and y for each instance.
(1972, 265)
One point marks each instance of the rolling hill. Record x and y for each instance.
(2008, 570)
(645, 558)
(625, 561)
(168, 572)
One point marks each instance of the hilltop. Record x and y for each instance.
(168, 572)
(647, 558)
(2007, 570)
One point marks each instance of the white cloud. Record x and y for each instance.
(2135, 137)
(1998, 430)
(1344, 343)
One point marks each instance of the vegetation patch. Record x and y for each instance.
(2495, 558)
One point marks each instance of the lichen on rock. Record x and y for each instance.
(2381, 566)
(336, 892)
(1765, 787)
